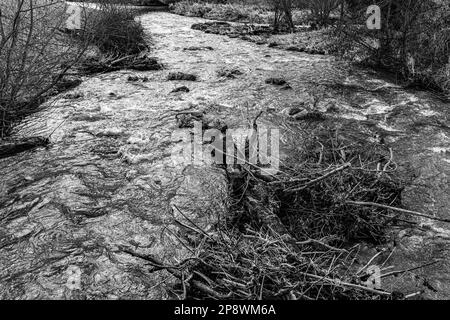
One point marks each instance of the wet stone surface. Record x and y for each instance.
(107, 180)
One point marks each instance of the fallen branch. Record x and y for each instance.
(345, 166)
(368, 263)
(133, 62)
(197, 228)
(321, 243)
(177, 273)
(347, 284)
(394, 273)
(414, 213)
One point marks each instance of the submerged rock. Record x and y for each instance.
(133, 78)
(73, 95)
(295, 110)
(310, 115)
(276, 81)
(181, 89)
(295, 49)
(194, 48)
(229, 73)
(136, 78)
(181, 76)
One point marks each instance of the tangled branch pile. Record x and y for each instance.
(335, 166)
(292, 237)
(108, 63)
(295, 236)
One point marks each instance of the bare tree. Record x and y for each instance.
(321, 10)
(34, 55)
(282, 14)
(414, 39)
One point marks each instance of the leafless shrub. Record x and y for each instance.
(114, 30)
(37, 49)
(282, 14)
(414, 39)
(34, 55)
(222, 10)
(276, 12)
(321, 10)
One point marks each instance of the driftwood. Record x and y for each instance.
(133, 62)
(177, 272)
(11, 148)
(310, 183)
(414, 213)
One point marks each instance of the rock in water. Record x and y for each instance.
(181, 89)
(276, 81)
(181, 76)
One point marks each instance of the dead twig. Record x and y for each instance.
(347, 284)
(176, 272)
(394, 273)
(345, 166)
(321, 243)
(414, 213)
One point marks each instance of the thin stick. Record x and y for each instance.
(120, 60)
(345, 166)
(192, 222)
(56, 128)
(201, 286)
(351, 285)
(176, 272)
(414, 213)
(393, 273)
(321, 243)
(412, 295)
(187, 227)
(255, 126)
(368, 263)
(387, 259)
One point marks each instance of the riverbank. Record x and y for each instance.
(243, 13)
(255, 23)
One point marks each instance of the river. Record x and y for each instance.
(107, 180)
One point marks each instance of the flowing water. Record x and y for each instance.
(107, 180)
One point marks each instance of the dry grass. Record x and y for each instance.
(114, 31)
(260, 13)
(318, 41)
